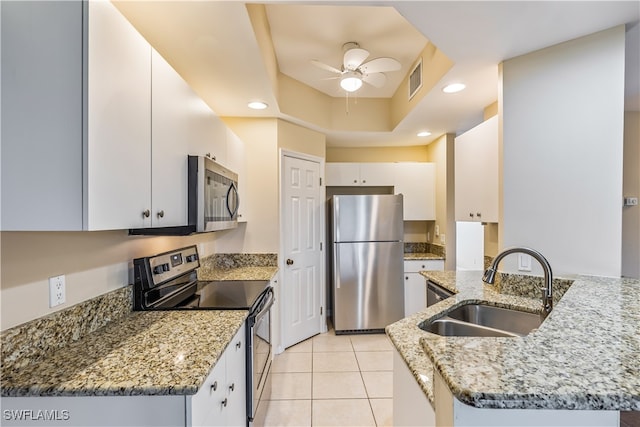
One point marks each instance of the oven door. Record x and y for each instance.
(259, 352)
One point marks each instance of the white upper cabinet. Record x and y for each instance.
(476, 173)
(417, 183)
(170, 129)
(359, 174)
(118, 145)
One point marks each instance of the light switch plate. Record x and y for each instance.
(524, 262)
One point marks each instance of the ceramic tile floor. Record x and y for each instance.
(333, 380)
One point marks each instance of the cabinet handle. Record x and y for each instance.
(146, 213)
(232, 387)
(470, 215)
(478, 215)
(210, 156)
(238, 344)
(423, 266)
(355, 181)
(214, 386)
(161, 214)
(224, 402)
(364, 181)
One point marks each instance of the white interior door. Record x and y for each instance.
(302, 256)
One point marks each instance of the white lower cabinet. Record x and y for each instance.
(219, 402)
(415, 286)
(222, 399)
(410, 405)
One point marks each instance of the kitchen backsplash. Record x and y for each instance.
(529, 286)
(424, 247)
(31, 341)
(227, 261)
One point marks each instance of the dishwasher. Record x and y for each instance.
(436, 293)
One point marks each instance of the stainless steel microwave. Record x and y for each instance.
(212, 200)
(212, 195)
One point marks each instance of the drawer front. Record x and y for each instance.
(415, 266)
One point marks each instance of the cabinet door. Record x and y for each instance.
(476, 171)
(170, 128)
(417, 183)
(342, 174)
(207, 408)
(41, 115)
(377, 174)
(118, 146)
(235, 354)
(415, 293)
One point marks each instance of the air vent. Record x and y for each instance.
(415, 79)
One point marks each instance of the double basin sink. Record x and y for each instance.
(483, 320)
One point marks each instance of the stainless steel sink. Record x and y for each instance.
(482, 320)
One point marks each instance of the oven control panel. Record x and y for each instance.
(169, 265)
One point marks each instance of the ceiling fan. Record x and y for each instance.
(354, 70)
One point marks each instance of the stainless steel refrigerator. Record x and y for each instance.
(367, 262)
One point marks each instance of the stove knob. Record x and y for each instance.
(165, 267)
(158, 269)
(192, 258)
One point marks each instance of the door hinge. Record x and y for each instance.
(320, 310)
(320, 181)
(320, 245)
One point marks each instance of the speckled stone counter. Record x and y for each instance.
(238, 267)
(409, 256)
(146, 353)
(584, 356)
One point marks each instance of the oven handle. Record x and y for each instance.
(269, 299)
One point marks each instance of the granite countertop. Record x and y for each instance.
(146, 353)
(590, 343)
(408, 256)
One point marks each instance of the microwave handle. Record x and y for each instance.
(233, 211)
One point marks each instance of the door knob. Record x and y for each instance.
(289, 261)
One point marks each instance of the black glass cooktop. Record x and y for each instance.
(232, 294)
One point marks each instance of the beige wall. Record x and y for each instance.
(93, 263)
(260, 233)
(300, 139)
(631, 188)
(491, 230)
(416, 153)
(441, 152)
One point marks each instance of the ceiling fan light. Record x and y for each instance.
(350, 82)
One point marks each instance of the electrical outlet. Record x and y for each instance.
(428, 236)
(442, 239)
(57, 294)
(437, 232)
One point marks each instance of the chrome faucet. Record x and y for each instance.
(547, 292)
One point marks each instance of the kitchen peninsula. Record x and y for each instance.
(578, 368)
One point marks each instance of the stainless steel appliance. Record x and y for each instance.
(168, 281)
(215, 194)
(367, 262)
(436, 293)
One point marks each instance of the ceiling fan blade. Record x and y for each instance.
(325, 66)
(354, 57)
(380, 65)
(376, 79)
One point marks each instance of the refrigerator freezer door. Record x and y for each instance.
(368, 288)
(365, 218)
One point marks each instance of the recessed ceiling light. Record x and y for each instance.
(424, 133)
(453, 88)
(258, 105)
